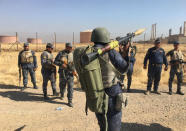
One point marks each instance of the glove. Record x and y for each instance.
(144, 67)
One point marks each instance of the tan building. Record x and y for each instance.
(85, 36)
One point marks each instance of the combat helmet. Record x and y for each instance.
(68, 45)
(157, 41)
(176, 43)
(26, 44)
(49, 45)
(100, 35)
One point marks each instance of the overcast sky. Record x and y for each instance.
(66, 16)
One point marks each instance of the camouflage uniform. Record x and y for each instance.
(100, 37)
(48, 72)
(176, 69)
(28, 62)
(65, 74)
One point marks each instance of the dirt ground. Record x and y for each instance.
(28, 111)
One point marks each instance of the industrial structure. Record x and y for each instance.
(85, 36)
(8, 39)
(34, 41)
(181, 37)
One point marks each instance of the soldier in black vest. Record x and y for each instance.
(177, 58)
(64, 60)
(27, 61)
(48, 70)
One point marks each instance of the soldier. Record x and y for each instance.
(156, 57)
(176, 67)
(101, 37)
(64, 60)
(48, 70)
(27, 61)
(131, 59)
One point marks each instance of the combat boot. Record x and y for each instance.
(157, 92)
(147, 92)
(35, 86)
(23, 88)
(170, 92)
(128, 90)
(62, 97)
(46, 97)
(179, 92)
(70, 103)
(55, 93)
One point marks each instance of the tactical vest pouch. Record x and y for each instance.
(91, 81)
(27, 57)
(121, 102)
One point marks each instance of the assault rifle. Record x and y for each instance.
(87, 58)
(19, 76)
(177, 62)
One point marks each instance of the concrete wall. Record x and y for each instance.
(180, 38)
(7, 39)
(85, 37)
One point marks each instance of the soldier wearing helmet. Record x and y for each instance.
(111, 82)
(27, 61)
(48, 70)
(176, 57)
(156, 57)
(66, 71)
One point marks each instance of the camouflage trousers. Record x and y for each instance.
(179, 75)
(25, 76)
(69, 82)
(48, 76)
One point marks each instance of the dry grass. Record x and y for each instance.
(8, 63)
(27, 111)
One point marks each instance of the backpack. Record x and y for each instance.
(91, 81)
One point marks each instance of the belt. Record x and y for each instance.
(156, 64)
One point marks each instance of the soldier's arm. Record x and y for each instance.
(146, 57)
(165, 59)
(117, 60)
(57, 60)
(169, 53)
(19, 59)
(34, 59)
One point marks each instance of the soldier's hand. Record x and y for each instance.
(166, 68)
(64, 65)
(35, 69)
(75, 73)
(144, 67)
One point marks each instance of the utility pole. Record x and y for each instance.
(155, 30)
(73, 39)
(17, 40)
(36, 41)
(55, 40)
